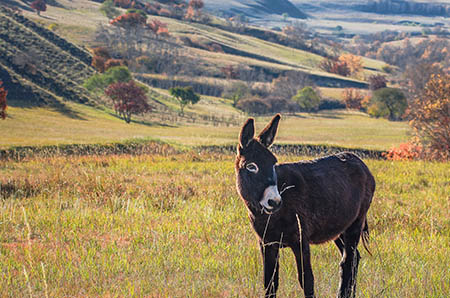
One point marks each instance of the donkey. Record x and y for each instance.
(297, 204)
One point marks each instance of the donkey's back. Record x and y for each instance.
(330, 193)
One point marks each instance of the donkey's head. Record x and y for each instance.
(256, 178)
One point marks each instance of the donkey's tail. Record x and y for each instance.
(365, 237)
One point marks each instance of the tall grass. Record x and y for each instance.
(173, 226)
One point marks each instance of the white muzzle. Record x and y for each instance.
(271, 199)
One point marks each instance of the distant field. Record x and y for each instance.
(43, 126)
(174, 227)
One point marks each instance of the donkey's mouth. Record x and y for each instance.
(270, 210)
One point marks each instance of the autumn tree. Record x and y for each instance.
(184, 96)
(3, 105)
(194, 9)
(377, 82)
(353, 63)
(431, 117)
(39, 5)
(353, 98)
(128, 99)
(307, 99)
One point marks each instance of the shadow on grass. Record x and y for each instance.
(143, 122)
(328, 116)
(57, 106)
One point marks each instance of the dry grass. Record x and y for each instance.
(173, 226)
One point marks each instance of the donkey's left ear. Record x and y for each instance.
(267, 135)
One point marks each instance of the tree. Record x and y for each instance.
(39, 5)
(307, 99)
(129, 20)
(377, 82)
(431, 117)
(184, 96)
(389, 103)
(353, 98)
(3, 105)
(98, 82)
(109, 10)
(128, 98)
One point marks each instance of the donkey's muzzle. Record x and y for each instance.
(271, 201)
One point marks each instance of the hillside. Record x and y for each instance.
(38, 66)
(259, 9)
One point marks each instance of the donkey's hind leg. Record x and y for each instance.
(350, 259)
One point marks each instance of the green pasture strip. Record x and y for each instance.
(300, 150)
(173, 226)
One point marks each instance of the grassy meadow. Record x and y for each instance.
(81, 124)
(173, 226)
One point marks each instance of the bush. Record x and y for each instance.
(255, 106)
(331, 104)
(307, 99)
(353, 98)
(98, 82)
(388, 103)
(377, 82)
(405, 151)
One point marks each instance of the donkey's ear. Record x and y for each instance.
(247, 133)
(267, 135)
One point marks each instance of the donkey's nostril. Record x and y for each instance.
(272, 203)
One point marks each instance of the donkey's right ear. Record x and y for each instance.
(247, 133)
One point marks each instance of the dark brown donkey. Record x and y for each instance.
(297, 204)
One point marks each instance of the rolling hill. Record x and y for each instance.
(37, 66)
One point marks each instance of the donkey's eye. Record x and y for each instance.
(252, 167)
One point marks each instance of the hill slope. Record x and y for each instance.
(37, 66)
(255, 8)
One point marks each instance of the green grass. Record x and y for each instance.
(174, 227)
(44, 126)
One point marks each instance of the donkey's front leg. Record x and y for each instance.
(305, 274)
(270, 255)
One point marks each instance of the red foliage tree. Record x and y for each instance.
(377, 82)
(353, 98)
(39, 5)
(3, 105)
(128, 98)
(158, 27)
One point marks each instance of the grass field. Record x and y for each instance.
(82, 124)
(174, 227)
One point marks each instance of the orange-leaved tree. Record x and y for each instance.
(3, 105)
(430, 118)
(128, 98)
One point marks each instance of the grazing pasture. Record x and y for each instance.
(155, 225)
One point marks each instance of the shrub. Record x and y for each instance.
(128, 98)
(377, 82)
(98, 82)
(3, 105)
(388, 103)
(405, 151)
(98, 63)
(307, 99)
(114, 62)
(129, 20)
(353, 98)
(331, 104)
(255, 106)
